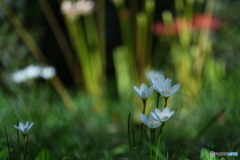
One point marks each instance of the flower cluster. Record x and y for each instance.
(161, 85)
(164, 88)
(156, 117)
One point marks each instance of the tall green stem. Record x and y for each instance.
(7, 142)
(25, 148)
(165, 104)
(158, 95)
(159, 139)
(151, 142)
(18, 143)
(144, 109)
(129, 135)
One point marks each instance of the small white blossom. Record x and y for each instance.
(151, 121)
(24, 128)
(163, 86)
(164, 115)
(167, 90)
(144, 92)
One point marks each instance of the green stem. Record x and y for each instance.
(25, 148)
(19, 158)
(7, 142)
(158, 144)
(151, 142)
(129, 135)
(158, 96)
(165, 104)
(159, 138)
(144, 109)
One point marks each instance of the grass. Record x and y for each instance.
(210, 120)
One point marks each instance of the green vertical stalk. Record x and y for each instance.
(129, 135)
(158, 144)
(141, 44)
(9, 152)
(151, 143)
(19, 158)
(160, 137)
(25, 147)
(165, 104)
(122, 73)
(100, 20)
(141, 136)
(96, 66)
(158, 96)
(61, 39)
(149, 10)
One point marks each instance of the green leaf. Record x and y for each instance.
(44, 154)
(3, 154)
(205, 155)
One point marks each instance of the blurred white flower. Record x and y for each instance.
(67, 6)
(48, 72)
(84, 7)
(18, 76)
(143, 92)
(74, 9)
(151, 121)
(153, 74)
(24, 128)
(33, 72)
(164, 115)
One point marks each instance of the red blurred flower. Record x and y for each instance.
(199, 21)
(205, 21)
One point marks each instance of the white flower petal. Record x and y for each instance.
(166, 111)
(143, 118)
(175, 88)
(143, 87)
(137, 91)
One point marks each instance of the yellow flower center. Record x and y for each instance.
(152, 123)
(167, 92)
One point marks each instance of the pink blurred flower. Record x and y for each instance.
(198, 22)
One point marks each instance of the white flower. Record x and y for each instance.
(24, 128)
(158, 83)
(164, 115)
(151, 121)
(167, 90)
(48, 72)
(84, 7)
(143, 92)
(164, 86)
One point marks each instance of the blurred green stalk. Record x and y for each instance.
(141, 41)
(61, 39)
(122, 71)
